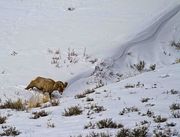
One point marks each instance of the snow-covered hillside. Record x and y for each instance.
(125, 53)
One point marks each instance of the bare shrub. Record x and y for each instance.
(39, 114)
(72, 111)
(144, 122)
(50, 124)
(173, 92)
(102, 134)
(89, 99)
(159, 119)
(129, 86)
(71, 8)
(99, 84)
(149, 113)
(143, 100)
(97, 108)
(140, 66)
(80, 96)
(176, 45)
(90, 126)
(3, 119)
(17, 105)
(124, 132)
(176, 114)
(153, 67)
(108, 123)
(140, 131)
(105, 123)
(128, 110)
(164, 132)
(175, 106)
(89, 91)
(172, 124)
(10, 131)
(138, 85)
(86, 92)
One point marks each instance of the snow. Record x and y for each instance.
(105, 38)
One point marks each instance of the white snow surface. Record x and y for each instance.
(105, 38)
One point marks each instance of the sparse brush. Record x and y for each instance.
(159, 119)
(175, 106)
(89, 126)
(100, 83)
(3, 119)
(80, 96)
(153, 67)
(129, 86)
(149, 113)
(105, 123)
(50, 125)
(89, 99)
(123, 133)
(72, 111)
(176, 114)
(17, 105)
(11, 131)
(86, 92)
(172, 124)
(108, 123)
(144, 122)
(164, 132)
(136, 132)
(102, 134)
(139, 132)
(89, 91)
(140, 66)
(176, 45)
(97, 108)
(128, 110)
(143, 100)
(39, 114)
(173, 92)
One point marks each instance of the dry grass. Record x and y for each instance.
(17, 105)
(39, 114)
(128, 110)
(176, 45)
(175, 106)
(10, 131)
(140, 66)
(86, 92)
(3, 119)
(72, 111)
(140, 131)
(105, 123)
(108, 123)
(159, 119)
(143, 100)
(176, 114)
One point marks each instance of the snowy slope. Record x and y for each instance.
(93, 46)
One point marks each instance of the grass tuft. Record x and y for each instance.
(72, 111)
(17, 105)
